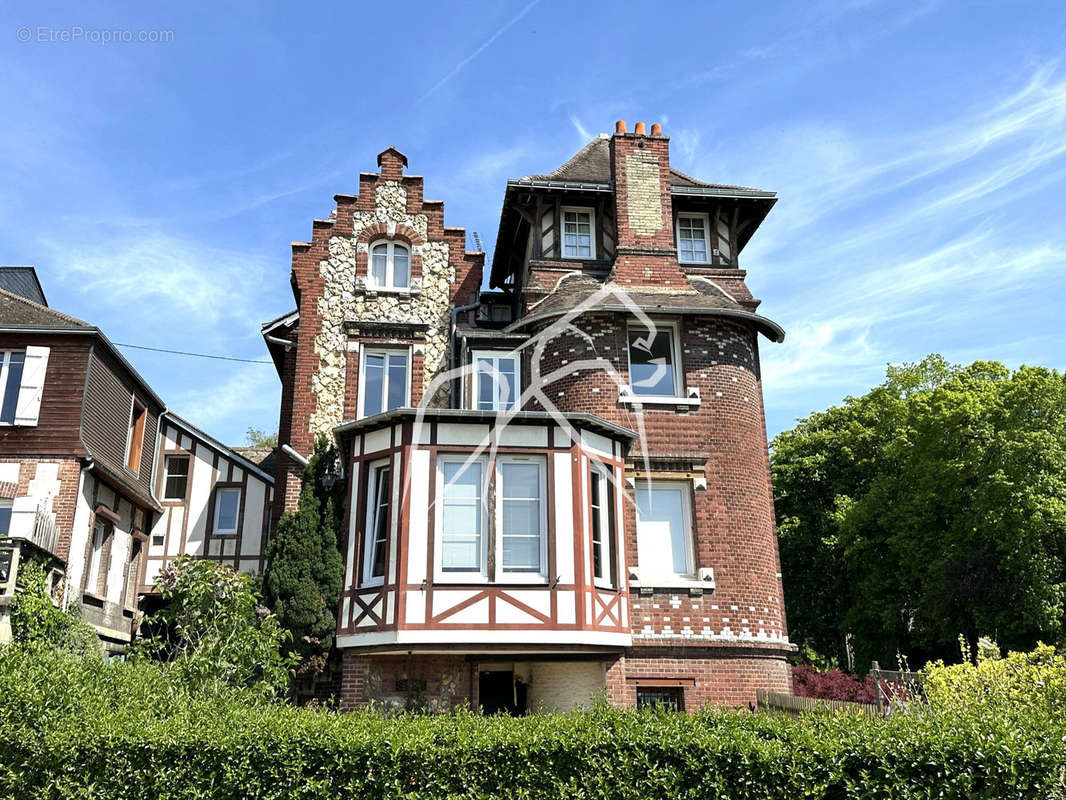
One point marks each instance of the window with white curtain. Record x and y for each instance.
(664, 530)
(497, 384)
(460, 488)
(520, 484)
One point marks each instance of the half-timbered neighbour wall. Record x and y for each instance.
(216, 503)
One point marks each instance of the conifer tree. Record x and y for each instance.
(304, 572)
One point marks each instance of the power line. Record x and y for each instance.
(195, 355)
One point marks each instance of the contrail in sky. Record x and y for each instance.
(476, 53)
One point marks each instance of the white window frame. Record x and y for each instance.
(608, 538)
(592, 232)
(678, 371)
(670, 578)
(384, 351)
(480, 575)
(5, 363)
(495, 356)
(166, 475)
(706, 218)
(540, 576)
(374, 471)
(390, 274)
(215, 529)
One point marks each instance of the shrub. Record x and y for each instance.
(1025, 683)
(832, 684)
(37, 621)
(77, 728)
(214, 633)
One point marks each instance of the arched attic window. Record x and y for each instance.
(390, 265)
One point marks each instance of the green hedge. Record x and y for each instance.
(84, 729)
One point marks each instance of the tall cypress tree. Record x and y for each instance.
(304, 571)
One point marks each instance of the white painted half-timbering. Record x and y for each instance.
(522, 436)
(564, 518)
(597, 444)
(418, 522)
(565, 608)
(415, 609)
(353, 528)
(458, 433)
(378, 440)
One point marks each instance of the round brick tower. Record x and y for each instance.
(656, 331)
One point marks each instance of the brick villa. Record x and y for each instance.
(557, 489)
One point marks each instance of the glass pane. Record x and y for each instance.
(462, 480)
(521, 480)
(228, 501)
(486, 385)
(662, 532)
(460, 555)
(374, 365)
(521, 553)
(16, 362)
(521, 517)
(651, 362)
(401, 268)
(461, 518)
(379, 265)
(397, 380)
(5, 519)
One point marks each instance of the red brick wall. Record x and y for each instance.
(298, 399)
(726, 677)
(66, 501)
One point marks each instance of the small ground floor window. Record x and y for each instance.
(668, 698)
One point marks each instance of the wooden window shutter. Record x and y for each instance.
(29, 402)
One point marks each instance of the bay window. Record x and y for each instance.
(521, 515)
(601, 519)
(378, 501)
(460, 487)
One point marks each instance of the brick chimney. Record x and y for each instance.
(640, 167)
(392, 162)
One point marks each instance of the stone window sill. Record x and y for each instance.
(691, 399)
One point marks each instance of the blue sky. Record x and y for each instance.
(919, 151)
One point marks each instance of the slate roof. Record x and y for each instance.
(23, 282)
(702, 298)
(592, 164)
(264, 457)
(17, 311)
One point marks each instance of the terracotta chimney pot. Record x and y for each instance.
(656, 129)
(638, 129)
(620, 126)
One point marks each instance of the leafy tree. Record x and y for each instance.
(304, 572)
(935, 504)
(36, 620)
(214, 632)
(257, 437)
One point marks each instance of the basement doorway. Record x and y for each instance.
(500, 692)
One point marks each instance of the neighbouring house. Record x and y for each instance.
(557, 489)
(85, 447)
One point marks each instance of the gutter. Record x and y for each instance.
(299, 459)
(456, 311)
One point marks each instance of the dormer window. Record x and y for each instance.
(693, 235)
(579, 239)
(390, 266)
